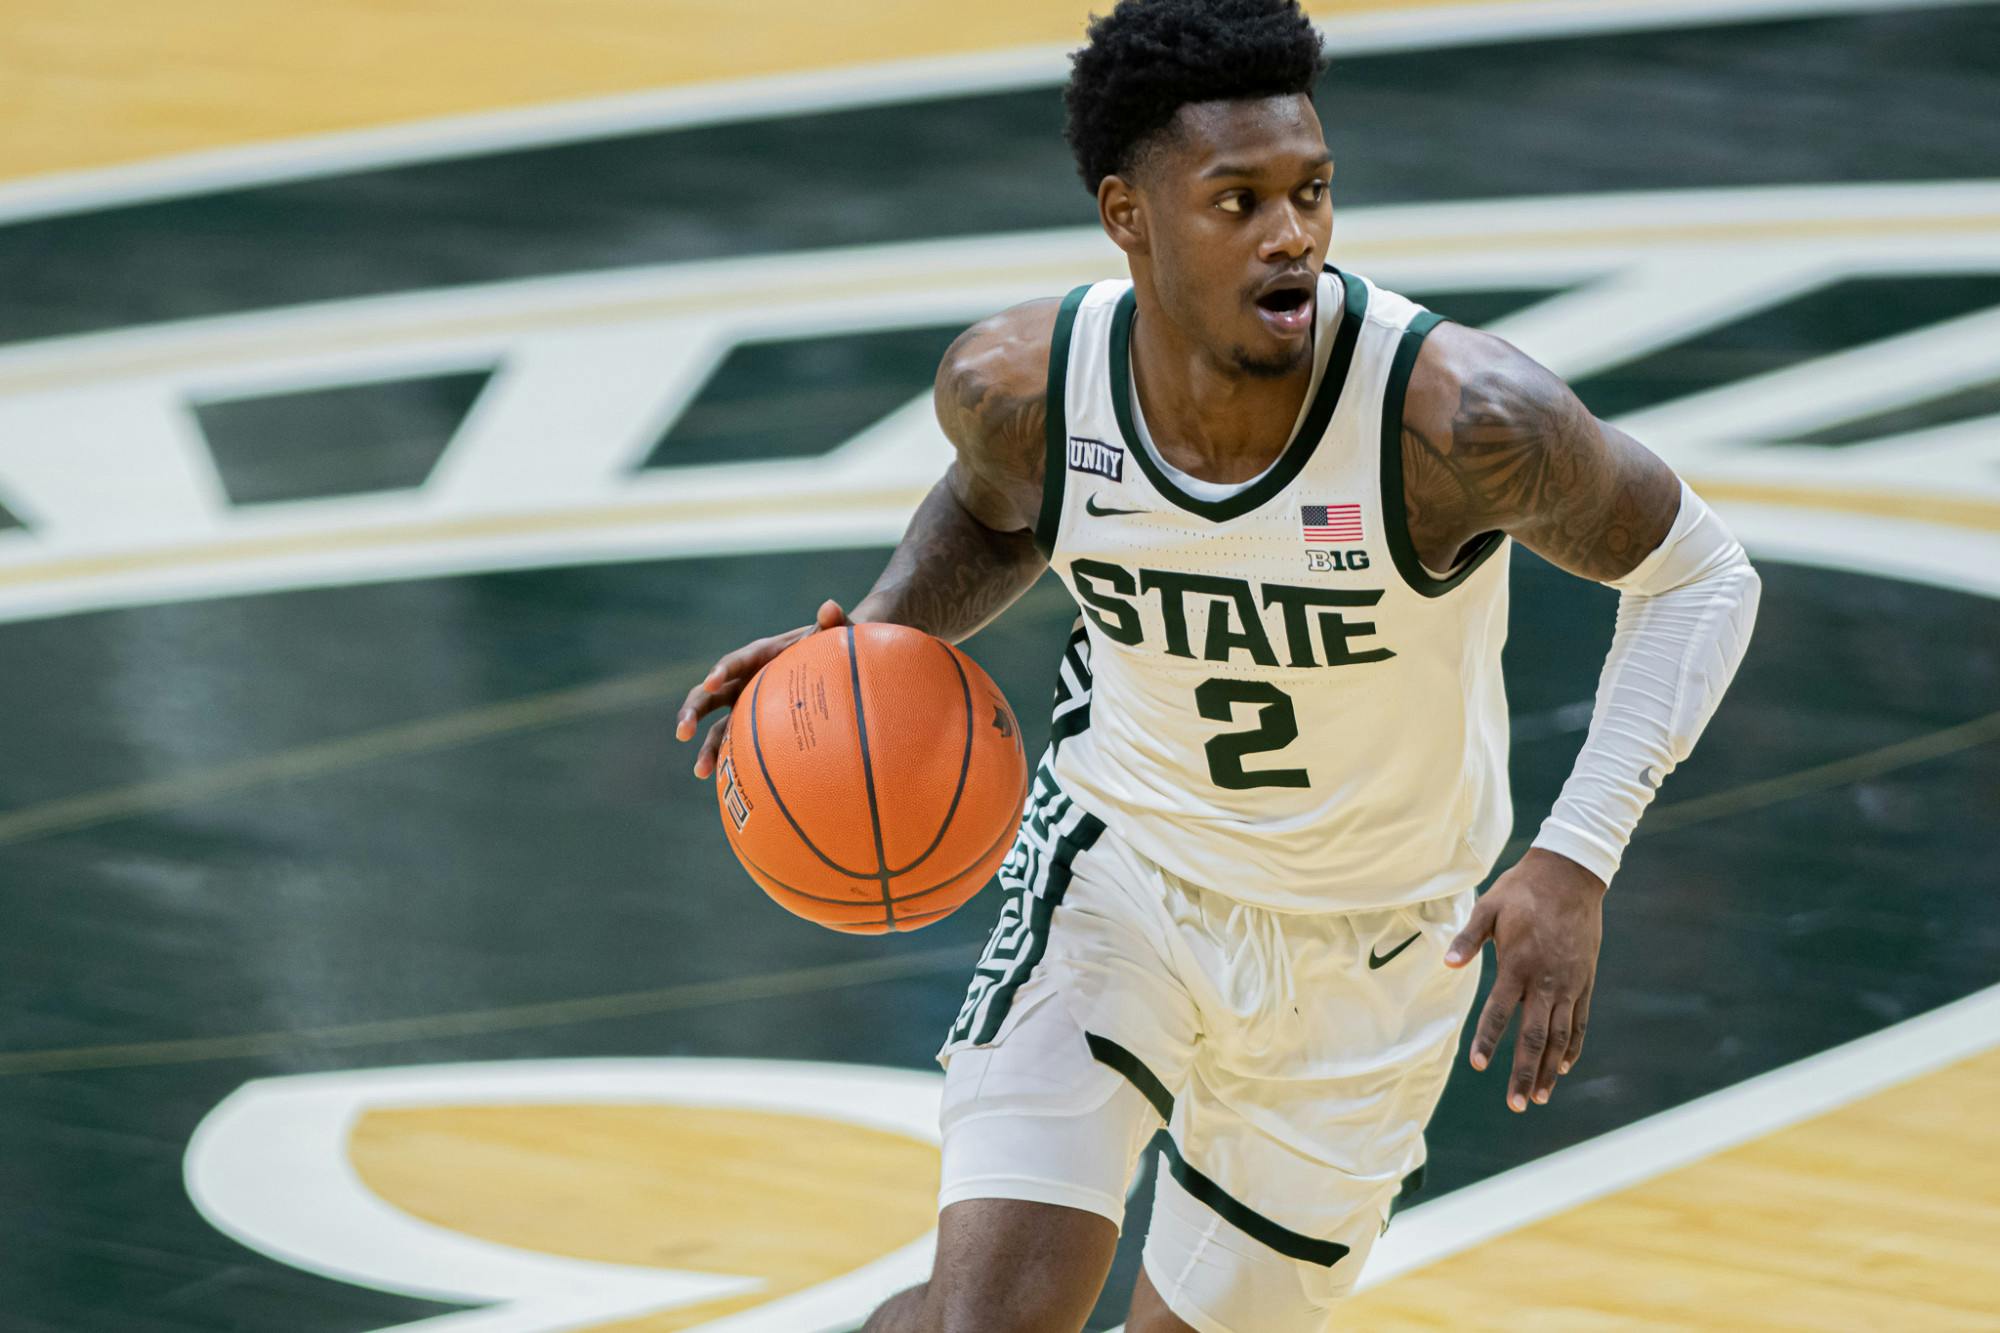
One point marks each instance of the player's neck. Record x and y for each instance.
(1213, 421)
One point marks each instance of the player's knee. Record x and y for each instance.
(1004, 1299)
(905, 1312)
(1021, 1309)
(984, 1305)
(1010, 1266)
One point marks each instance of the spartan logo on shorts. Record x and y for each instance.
(1088, 455)
(1003, 965)
(733, 799)
(1035, 875)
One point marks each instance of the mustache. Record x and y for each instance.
(1301, 277)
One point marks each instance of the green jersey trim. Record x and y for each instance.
(1108, 1052)
(1297, 452)
(1055, 463)
(1395, 512)
(1291, 1244)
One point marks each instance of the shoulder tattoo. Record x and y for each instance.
(1522, 454)
(981, 412)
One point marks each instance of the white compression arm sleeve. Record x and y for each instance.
(1684, 619)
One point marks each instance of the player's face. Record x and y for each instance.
(1239, 222)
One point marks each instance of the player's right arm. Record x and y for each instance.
(969, 551)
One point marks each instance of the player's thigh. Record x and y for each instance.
(1016, 1266)
(1291, 1149)
(1149, 1313)
(1218, 1263)
(1037, 1118)
(1031, 1108)
(1040, 1141)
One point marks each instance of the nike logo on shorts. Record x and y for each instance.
(1376, 960)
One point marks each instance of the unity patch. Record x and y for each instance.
(1088, 455)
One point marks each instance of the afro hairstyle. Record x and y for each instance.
(1147, 59)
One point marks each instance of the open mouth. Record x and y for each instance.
(1284, 298)
(1287, 310)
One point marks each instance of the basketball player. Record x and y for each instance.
(1242, 899)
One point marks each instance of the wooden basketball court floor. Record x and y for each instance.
(359, 532)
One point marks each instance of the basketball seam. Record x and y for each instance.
(907, 918)
(1007, 834)
(757, 746)
(964, 765)
(749, 864)
(868, 780)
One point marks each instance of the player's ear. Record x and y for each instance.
(1124, 220)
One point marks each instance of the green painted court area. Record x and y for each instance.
(428, 818)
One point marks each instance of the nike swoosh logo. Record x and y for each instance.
(1376, 960)
(1091, 507)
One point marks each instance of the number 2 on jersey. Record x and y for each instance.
(1277, 726)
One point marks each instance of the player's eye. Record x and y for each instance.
(1314, 191)
(1237, 203)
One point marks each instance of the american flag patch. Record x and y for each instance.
(1331, 523)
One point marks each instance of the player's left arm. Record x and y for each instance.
(1493, 440)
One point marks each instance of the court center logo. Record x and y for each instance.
(649, 1196)
(547, 398)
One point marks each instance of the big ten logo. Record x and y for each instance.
(1336, 562)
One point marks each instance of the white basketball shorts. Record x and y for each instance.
(1293, 1059)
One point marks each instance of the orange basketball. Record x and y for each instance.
(872, 779)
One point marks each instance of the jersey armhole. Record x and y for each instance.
(1055, 411)
(1395, 512)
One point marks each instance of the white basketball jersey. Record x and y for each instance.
(1267, 693)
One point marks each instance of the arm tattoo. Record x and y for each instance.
(969, 551)
(1525, 456)
(952, 573)
(974, 406)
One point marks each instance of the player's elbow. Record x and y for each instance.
(1749, 595)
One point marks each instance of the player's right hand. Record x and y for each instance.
(726, 679)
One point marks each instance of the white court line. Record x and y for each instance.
(1687, 1134)
(270, 1167)
(308, 157)
(1834, 387)
(1651, 305)
(1683, 1136)
(1965, 453)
